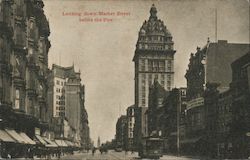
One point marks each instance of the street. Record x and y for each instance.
(112, 155)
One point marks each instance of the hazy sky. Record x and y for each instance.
(103, 51)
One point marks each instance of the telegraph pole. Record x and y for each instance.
(178, 121)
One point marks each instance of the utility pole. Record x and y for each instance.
(178, 121)
(216, 24)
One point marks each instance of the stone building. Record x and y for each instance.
(157, 94)
(218, 110)
(227, 114)
(154, 59)
(57, 80)
(24, 57)
(209, 65)
(131, 127)
(121, 136)
(66, 100)
(240, 87)
(24, 48)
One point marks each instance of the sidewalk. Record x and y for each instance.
(174, 157)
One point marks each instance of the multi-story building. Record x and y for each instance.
(154, 59)
(121, 136)
(218, 122)
(57, 81)
(173, 126)
(240, 86)
(84, 128)
(131, 125)
(24, 48)
(157, 94)
(209, 65)
(74, 103)
(66, 100)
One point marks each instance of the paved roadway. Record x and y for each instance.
(112, 155)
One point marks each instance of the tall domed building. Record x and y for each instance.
(154, 61)
(154, 58)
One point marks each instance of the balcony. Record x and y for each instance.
(31, 92)
(18, 81)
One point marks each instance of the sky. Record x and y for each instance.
(103, 51)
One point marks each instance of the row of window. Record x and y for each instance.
(60, 102)
(60, 83)
(61, 114)
(60, 97)
(156, 76)
(155, 65)
(154, 38)
(61, 108)
(59, 90)
(155, 47)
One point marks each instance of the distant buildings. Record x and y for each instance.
(154, 59)
(66, 98)
(131, 126)
(121, 135)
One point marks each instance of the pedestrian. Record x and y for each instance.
(8, 156)
(93, 151)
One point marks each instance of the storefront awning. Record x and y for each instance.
(16, 136)
(50, 143)
(5, 137)
(191, 140)
(69, 143)
(77, 144)
(27, 138)
(41, 140)
(61, 143)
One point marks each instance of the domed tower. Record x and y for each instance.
(154, 58)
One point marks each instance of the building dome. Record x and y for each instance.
(153, 34)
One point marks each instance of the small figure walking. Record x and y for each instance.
(93, 151)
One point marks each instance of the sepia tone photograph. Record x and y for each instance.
(124, 79)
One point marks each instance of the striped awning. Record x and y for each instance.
(61, 143)
(50, 143)
(5, 137)
(16, 136)
(41, 140)
(69, 143)
(27, 138)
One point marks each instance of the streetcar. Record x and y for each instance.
(151, 148)
(118, 147)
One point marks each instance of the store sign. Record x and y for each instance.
(195, 103)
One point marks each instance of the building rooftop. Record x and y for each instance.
(64, 72)
(220, 56)
(153, 34)
(217, 57)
